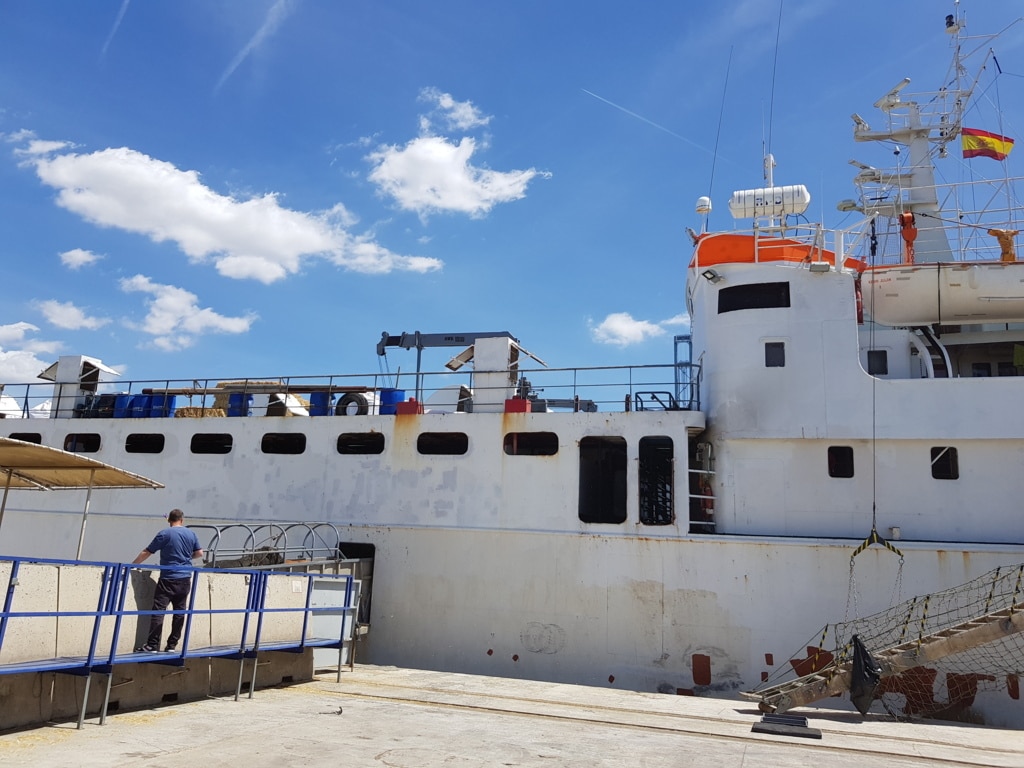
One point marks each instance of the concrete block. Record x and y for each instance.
(284, 591)
(78, 591)
(31, 638)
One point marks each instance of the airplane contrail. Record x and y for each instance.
(113, 31)
(649, 122)
(278, 12)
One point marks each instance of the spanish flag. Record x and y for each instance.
(977, 143)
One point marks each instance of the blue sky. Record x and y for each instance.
(227, 188)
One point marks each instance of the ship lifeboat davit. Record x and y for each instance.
(950, 293)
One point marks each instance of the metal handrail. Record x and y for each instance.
(110, 613)
(604, 385)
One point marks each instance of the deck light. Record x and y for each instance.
(711, 276)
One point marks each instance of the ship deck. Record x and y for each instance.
(418, 719)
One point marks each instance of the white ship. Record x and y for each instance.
(683, 528)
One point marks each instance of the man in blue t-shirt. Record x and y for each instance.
(178, 547)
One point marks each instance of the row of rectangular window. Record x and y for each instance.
(602, 478)
(294, 443)
(945, 462)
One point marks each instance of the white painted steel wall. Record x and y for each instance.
(771, 427)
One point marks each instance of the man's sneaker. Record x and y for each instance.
(146, 649)
(170, 649)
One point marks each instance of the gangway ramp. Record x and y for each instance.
(85, 618)
(831, 674)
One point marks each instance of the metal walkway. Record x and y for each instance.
(70, 616)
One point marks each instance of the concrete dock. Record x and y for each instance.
(382, 716)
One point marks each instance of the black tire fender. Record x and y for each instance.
(352, 404)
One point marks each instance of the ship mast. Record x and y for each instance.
(921, 125)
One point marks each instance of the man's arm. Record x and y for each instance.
(197, 553)
(142, 557)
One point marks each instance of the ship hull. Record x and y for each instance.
(677, 614)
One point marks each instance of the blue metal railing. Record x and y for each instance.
(101, 654)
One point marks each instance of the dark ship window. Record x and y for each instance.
(981, 369)
(144, 443)
(442, 443)
(27, 437)
(531, 443)
(753, 296)
(1006, 369)
(211, 443)
(655, 476)
(82, 442)
(840, 461)
(945, 465)
(289, 443)
(360, 443)
(775, 354)
(602, 480)
(878, 362)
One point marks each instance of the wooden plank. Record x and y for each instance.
(778, 729)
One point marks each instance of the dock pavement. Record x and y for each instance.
(400, 718)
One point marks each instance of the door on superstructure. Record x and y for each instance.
(602, 496)
(655, 486)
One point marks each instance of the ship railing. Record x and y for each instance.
(969, 211)
(604, 388)
(775, 242)
(930, 110)
(266, 545)
(77, 617)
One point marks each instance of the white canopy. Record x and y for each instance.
(39, 467)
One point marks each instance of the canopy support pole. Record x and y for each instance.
(7, 487)
(85, 514)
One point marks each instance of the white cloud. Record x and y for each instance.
(37, 147)
(175, 318)
(680, 319)
(622, 330)
(431, 174)
(77, 258)
(15, 332)
(457, 115)
(67, 315)
(255, 238)
(22, 364)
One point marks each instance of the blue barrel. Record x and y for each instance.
(239, 404)
(140, 406)
(321, 403)
(122, 406)
(162, 406)
(389, 400)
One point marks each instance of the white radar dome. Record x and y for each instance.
(769, 201)
(703, 205)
